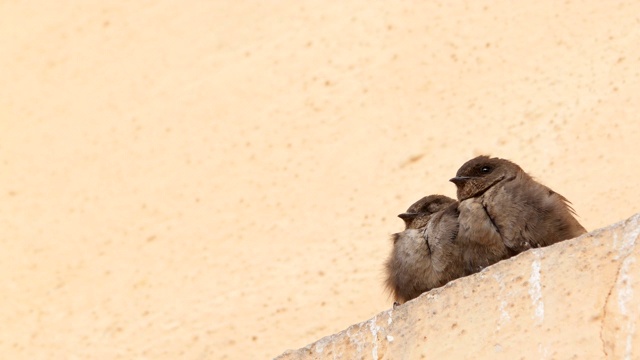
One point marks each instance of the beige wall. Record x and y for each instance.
(218, 180)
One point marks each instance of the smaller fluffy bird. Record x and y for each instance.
(504, 211)
(425, 255)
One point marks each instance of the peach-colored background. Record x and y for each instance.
(219, 179)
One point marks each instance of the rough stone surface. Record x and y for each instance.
(575, 299)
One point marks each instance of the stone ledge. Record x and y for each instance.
(575, 299)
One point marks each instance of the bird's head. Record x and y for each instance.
(479, 174)
(417, 215)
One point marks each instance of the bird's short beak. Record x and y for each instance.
(407, 216)
(459, 180)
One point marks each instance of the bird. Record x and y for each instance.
(425, 255)
(504, 211)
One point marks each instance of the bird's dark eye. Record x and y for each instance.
(486, 169)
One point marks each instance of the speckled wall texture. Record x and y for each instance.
(219, 179)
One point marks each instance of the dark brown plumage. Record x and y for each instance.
(425, 255)
(504, 211)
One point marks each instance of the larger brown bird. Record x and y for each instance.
(504, 211)
(425, 255)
